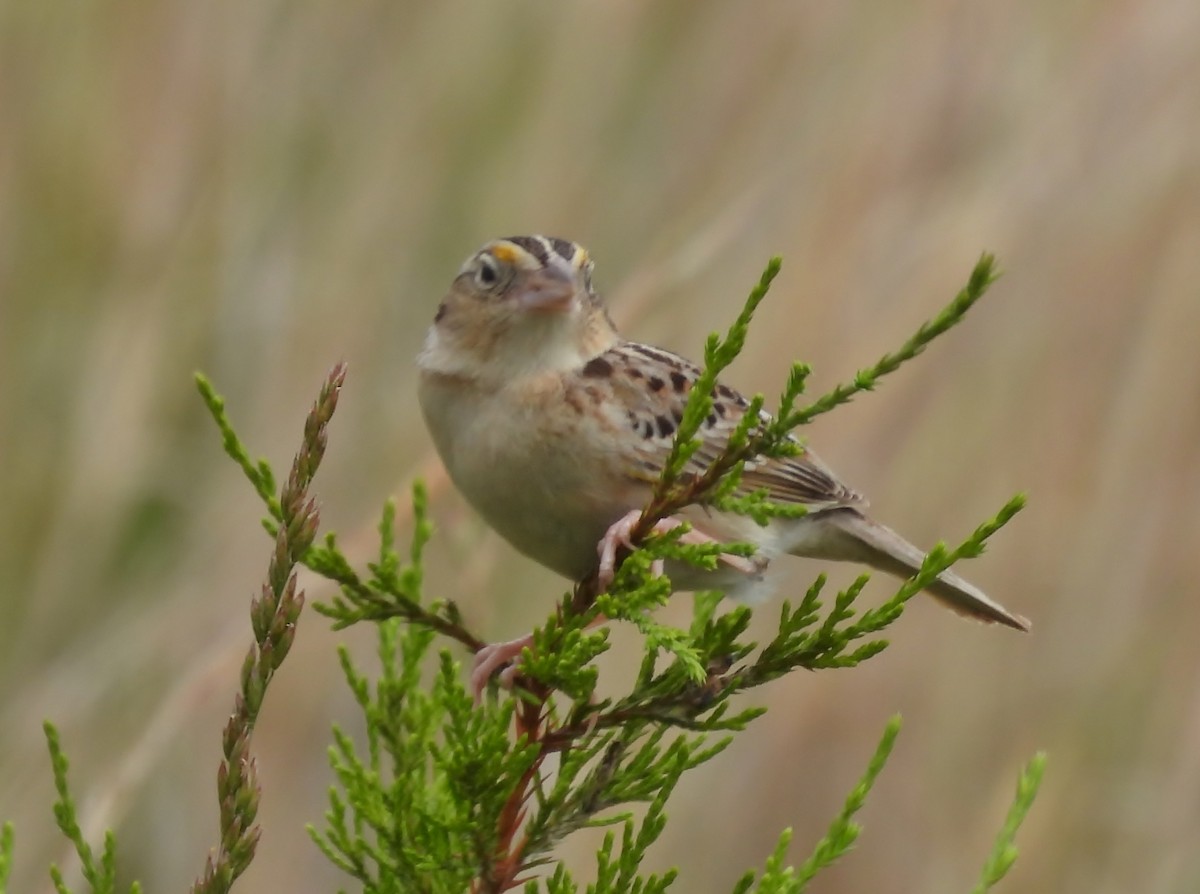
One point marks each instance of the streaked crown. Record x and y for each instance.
(537, 252)
(533, 253)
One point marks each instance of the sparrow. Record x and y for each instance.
(555, 429)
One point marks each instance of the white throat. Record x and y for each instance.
(539, 345)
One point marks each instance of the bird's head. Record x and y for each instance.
(518, 305)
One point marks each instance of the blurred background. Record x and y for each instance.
(260, 189)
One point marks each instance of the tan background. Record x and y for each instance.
(258, 189)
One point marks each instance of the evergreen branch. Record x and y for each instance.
(443, 797)
(674, 490)
(758, 434)
(936, 561)
(780, 878)
(777, 877)
(375, 600)
(100, 876)
(982, 276)
(843, 831)
(6, 854)
(692, 693)
(257, 473)
(392, 590)
(1004, 851)
(273, 616)
(718, 354)
(676, 698)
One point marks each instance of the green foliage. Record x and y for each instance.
(718, 354)
(982, 276)
(1004, 851)
(6, 854)
(446, 795)
(574, 758)
(419, 810)
(101, 876)
(843, 831)
(779, 878)
(273, 617)
(258, 473)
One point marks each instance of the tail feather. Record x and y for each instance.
(846, 534)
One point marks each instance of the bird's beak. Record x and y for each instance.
(548, 290)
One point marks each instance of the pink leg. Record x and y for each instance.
(619, 533)
(491, 658)
(494, 656)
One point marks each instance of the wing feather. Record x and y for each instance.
(651, 386)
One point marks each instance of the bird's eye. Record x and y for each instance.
(487, 275)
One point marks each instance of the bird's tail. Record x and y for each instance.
(852, 536)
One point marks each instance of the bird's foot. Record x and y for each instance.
(491, 658)
(619, 534)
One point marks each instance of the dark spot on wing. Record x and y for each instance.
(729, 394)
(720, 409)
(598, 368)
(665, 427)
(679, 381)
(655, 383)
(634, 372)
(712, 419)
(441, 312)
(647, 428)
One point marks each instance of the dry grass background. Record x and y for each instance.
(259, 189)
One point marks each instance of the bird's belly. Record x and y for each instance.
(546, 505)
(538, 488)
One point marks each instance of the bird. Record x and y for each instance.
(555, 428)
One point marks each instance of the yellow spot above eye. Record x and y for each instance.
(506, 253)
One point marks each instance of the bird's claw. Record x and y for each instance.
(620, 534)
(492, 658)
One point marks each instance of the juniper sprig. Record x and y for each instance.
(442, 795)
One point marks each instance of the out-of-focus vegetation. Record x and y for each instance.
(260, 189)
